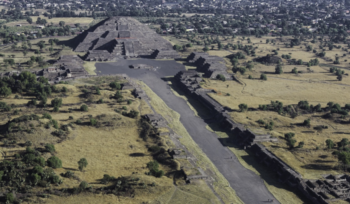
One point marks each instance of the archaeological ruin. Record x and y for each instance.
(123, 37)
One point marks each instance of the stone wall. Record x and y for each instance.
(189, 82)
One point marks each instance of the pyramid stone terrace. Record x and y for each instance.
(123, 37)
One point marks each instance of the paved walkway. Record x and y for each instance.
(248, 186)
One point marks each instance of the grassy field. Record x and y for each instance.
(114, 150)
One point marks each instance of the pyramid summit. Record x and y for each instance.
(123, 36)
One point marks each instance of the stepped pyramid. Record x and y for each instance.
(123, 36)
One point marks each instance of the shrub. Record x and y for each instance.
(278, 69)
(54, 123)
(307, 122)
(84, 108)
(37, 170)
(28, 143)
(46, 115)
(263, 77)
(243, 107)
(220, 77)
(70, 118)
(82, 163)
(68, 174)
(57, 102)
(329, 143)
(301, 145)
(115, 85)
(78, 121)
(129, 102)
(56, 109)
(54, 162)
(93, 121)
(50, 148)
(289, 135)
(10, 198)
(83, 185)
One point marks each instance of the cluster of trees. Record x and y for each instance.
(338, 72)
(313, 62)
(28, 168)
(267, 125)
(153, 167)
(289, 137)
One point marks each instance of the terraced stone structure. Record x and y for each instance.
(211, 66)
(123, 37)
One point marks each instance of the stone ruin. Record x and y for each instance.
(156, 120)
(339, 186)
(123, 37)
(66, 67)
(211, 66)
(189, 81)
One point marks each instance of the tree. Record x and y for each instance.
(57, 102)
(118, 95)
(301, 145)
(219, 45)
(295, 70)
(84, 107)
(177, 47)
(54, 162)
(10, 197)
(50, 148)
(329, 143)
(291, 143)
(263, 77)
(83, 185)
(41, 44)
(115, 85)
(220, 77)
(29, 20)
(61, 23)
(278, 69)
(5, 91)
(206, 49)
(306, 122)
(243, 107)
(82, 164)
(344, 142)
(344, 158)
(340, 77)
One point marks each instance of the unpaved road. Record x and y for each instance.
(249, 187)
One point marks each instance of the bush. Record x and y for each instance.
(57, 102)
(115, 85)
(220, 77)
(307, 122)
(10, 198)
(83, 185)
(50, 148)
(84, 108)
(54, 162)
(329, 143)
(47, 116)
(82, 163)
(129, 102)
(263, 77)
(93, 121)
(243, 107)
